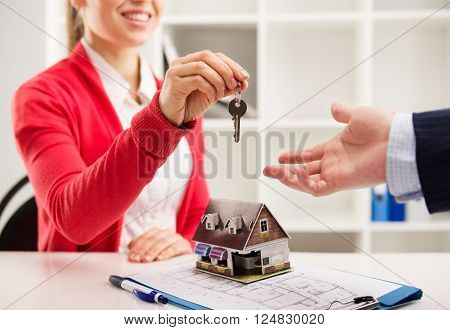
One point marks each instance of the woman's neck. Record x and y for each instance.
(124, 60)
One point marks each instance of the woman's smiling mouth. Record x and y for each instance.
(137, 17)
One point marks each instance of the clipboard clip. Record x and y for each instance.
(358, 300)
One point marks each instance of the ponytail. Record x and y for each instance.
(75, 29)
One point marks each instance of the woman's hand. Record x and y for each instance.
(354, 158)
(194, 82)
(157, 244)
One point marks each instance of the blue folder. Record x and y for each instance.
(385, 207)
(380, 203)
(401, 296)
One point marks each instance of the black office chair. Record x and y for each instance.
(20, 231)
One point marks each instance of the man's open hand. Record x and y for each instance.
(354, 158)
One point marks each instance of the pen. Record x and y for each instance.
(139, 291)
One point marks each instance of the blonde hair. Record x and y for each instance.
(75, 28)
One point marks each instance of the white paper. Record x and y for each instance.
(307, 287)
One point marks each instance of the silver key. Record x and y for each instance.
(237, 109)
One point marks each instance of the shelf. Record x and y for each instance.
(406, 5)
(228, 123)
(405, 226)
(302, 123)
(232, 21)
(312, 7)
(413, 16)
(314, 214)
(205, 8)
(324, 242)
(311, 19)
(301, 227)
(412, 241)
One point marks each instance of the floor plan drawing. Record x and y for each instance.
(310, 288)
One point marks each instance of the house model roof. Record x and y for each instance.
(226, 209)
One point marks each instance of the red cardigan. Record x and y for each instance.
(85, 170)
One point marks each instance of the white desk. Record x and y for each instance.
(82, 280)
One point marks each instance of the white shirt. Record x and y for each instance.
(158, 203)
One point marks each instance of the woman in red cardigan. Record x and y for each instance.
(114, 155)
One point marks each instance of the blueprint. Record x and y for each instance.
(306, 287)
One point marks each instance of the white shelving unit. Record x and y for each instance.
(297, 53)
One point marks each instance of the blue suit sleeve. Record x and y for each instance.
(432, 135)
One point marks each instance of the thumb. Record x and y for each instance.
(342, 113)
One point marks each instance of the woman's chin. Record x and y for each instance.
(135, 39)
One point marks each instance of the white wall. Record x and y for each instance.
(22, 55)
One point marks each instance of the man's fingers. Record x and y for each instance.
(304, 156)
(282, 172)
(313, 167)
(315, 177)
(296, 177)
(323, 188)
(292, 157)
(342, 113)
(273, 171)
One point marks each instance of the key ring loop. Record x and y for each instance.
(238, 97)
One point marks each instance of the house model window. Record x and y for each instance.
(264, 226)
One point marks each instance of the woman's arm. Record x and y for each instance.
(161, 244)
(84, 200)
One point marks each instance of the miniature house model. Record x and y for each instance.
(239, 238)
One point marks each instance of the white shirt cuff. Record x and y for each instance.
(401, 167)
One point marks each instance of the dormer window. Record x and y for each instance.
(234, 224)
(211, 221)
